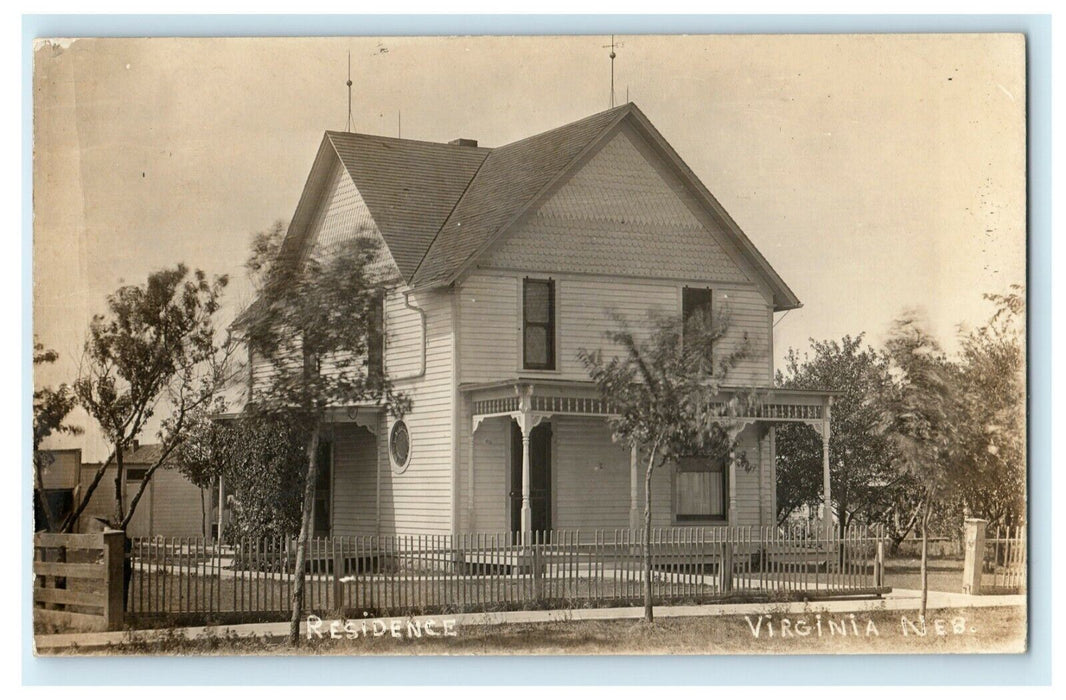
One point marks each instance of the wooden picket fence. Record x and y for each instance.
(1005, 559)
(407, 574)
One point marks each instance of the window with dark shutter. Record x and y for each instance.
(538, 324)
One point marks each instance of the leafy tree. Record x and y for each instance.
(51, 406)
(860, 460)
(665, 393)
(317, 323)
(262, 460)
(919, 414)
(992, 438)
(156, 345)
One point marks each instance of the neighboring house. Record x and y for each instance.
(508, 261)
(170, 507)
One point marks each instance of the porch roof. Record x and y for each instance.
(561, 396)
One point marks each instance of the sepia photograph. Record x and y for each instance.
(642, 344)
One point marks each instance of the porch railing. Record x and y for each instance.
(410, 574)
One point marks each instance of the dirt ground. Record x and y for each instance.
(977, 630)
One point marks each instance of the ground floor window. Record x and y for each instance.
(700, 489)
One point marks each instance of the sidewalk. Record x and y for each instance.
(899, 599)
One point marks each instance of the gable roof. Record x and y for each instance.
(439, 207)
(511, 178)
(409, 187)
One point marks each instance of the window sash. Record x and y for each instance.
(538, 333)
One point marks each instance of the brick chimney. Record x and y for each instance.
(472, 143)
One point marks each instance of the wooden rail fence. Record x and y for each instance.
(78, 581)
(408, 574)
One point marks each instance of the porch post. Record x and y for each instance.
(471, 507)
(634, 487)
(827, 496)
(732, 516)
(527, 509)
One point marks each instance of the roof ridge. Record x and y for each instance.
(568, 125)
(331, 133)
(414, 272)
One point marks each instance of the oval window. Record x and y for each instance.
(400, 446)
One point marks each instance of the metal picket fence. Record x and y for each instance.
(405, 574)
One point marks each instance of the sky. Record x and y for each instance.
(875, 173)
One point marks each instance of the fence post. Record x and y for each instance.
(725, 569)
(114, 546)
(879, 564)
(538, 568)
(338, 572)
(975, 554)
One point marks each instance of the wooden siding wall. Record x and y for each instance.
(419, 501)
(170, 506)
(620, 236)
(591, 477)
(355, 461)
(492, 455)
(60, 469)
(491, 316)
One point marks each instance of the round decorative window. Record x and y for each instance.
(400, 446)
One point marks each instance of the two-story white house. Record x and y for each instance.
(507, 261)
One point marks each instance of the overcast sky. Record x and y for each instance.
(873, 172)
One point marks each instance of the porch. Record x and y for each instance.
(537, 455)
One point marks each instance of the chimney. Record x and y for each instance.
(136, 446)
(472, 143)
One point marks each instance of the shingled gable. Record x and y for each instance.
(440, 207)
(516, 178)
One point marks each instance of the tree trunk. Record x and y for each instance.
(925, 559)
(305, 532)
(203, 515)
(646, 544)
(46, 507)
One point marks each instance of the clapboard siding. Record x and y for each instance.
(419, 500)
(170, 506)
(489, 333)
(590, 476)
(355, 461)
(491, 460)
(585, 310)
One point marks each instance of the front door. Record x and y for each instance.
(320, 517)
(540, 452)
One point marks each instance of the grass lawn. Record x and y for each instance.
(1000, 630)
(944, 574)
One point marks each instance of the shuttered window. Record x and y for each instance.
(700, 489)
(538, 324)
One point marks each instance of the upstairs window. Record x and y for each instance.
(538, 324)
(696, 304)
